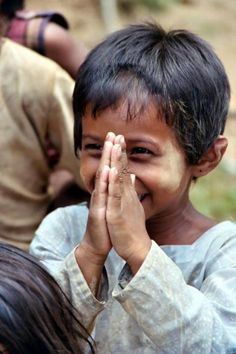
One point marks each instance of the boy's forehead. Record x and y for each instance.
(126, 111)
(147, 123)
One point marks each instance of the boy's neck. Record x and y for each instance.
(180, 228)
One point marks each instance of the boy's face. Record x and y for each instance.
(154, 156)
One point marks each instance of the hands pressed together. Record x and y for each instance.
(116, 216)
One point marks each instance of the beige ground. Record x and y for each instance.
(215, 20)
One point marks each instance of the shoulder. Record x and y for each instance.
(219, 239)
(218, 246)
(220, 234)
(78, 211)
(70, 218)
(42, 73)
(28, 60)
(60, 231)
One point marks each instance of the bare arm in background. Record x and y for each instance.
(61, 47)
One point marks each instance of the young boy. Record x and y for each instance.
(152, 273)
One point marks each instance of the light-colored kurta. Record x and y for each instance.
(35, 101)
(182, 299)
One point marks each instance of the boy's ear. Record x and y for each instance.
(211, 158)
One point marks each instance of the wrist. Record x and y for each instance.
(138, 256)
(91, 266)
(85, 253)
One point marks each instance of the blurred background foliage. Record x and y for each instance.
(151, 4)
(215, 194)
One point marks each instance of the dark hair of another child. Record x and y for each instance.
(35, 315)
(176, 70)
(9, 7)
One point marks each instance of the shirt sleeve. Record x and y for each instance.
(71, 280)
(177, 317)
(59, 233)
(55, 237)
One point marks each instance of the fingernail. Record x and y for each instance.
(109, 134)
(132, 176)
(122, 139)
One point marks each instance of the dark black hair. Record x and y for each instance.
(36, 317)
(177, 70)
(9, 7)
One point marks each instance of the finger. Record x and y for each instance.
(106, 151)
(124, 163)
(127, 178)
(122, 142)
(114, 192)
(105, 158)
(124, 158)
(118, 139)
(99, 195)
(110, 137)
(116, 157)
(119, 160)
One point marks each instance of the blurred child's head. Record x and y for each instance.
(9, 7)
(35, 315)
(176, 70)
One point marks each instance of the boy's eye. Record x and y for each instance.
(140, 150)
(93, 147)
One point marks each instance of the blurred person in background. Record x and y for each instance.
(46, 32)
(36, 143)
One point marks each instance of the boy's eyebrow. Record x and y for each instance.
(141, 140)
(133, 140)
(91, 136)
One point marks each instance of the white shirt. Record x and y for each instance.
(182, 299)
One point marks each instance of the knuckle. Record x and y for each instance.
(116, 196)
(98, 174)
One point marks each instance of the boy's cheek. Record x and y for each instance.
(86, 178)
(88, 170)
